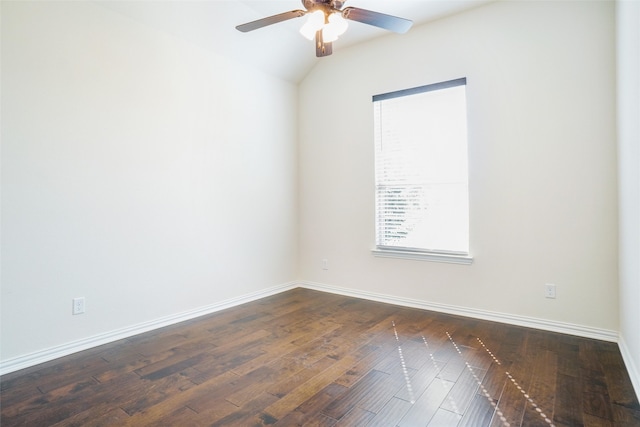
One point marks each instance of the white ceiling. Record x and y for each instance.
(278, 49)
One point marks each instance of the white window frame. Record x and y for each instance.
(418, 253)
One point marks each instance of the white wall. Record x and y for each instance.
(134, 165)
(138, 171)
(542, 143)
(628, 47)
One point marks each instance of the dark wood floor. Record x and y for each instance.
(315, 359)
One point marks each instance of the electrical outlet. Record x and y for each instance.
(549, 290)
(325, 264)
(78, 305)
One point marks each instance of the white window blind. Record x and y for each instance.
(421, 169)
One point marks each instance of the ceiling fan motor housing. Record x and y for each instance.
(326, 5)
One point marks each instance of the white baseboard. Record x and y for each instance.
(630, 363)
(41, 356)
(512, 319)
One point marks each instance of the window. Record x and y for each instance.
(421, 173)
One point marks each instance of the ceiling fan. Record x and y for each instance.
(328, 20)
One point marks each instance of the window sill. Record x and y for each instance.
(423, 256)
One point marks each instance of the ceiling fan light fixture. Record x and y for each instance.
(337, 20)
(314, 23)
(327, 21)
(328, 36)
(335, 28)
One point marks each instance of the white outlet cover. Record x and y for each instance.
(78, 305)
(550, 290)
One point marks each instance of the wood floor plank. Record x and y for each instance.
(180, 416)
(444, 417)
(495, 381)
(305, 357)
(282, 386)
(374, 399)
(260, 380)
(215, 410)
(357, 392)
(542, 392)
(355, 417)
(463, 391)
(511, 402)
(316, 383)
(617, 379)
(368, 356)
(427, 404)
(625, 416)
(103, 416)
(479, 413)
(320, 400)
(452, 369)
(250, 414)
(48, 406)
(592, 421)
(419, 381)
(203, 398)
(221, 363)
(156, 392)
(391, 413)
(320, 420)
(568, 409)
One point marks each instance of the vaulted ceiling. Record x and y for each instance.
(278, 49)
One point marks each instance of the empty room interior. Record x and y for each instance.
(190, 216)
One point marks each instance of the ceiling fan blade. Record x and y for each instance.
(377, 19)
(254, 25)
(322, 48)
